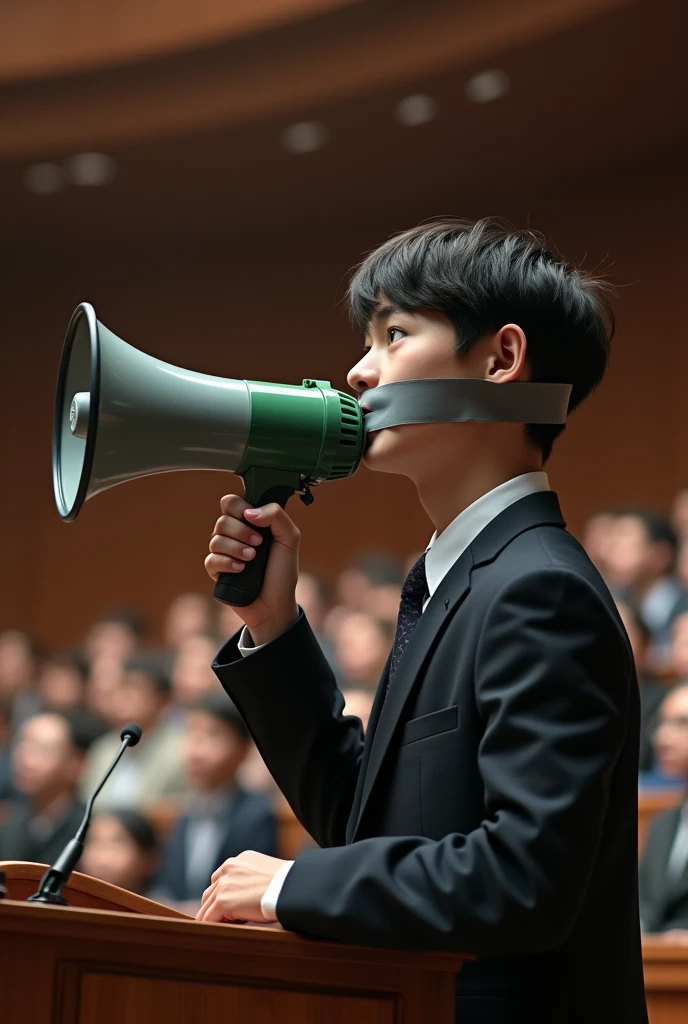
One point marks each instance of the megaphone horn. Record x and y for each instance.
(121, 414)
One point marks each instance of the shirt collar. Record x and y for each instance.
(445, 550)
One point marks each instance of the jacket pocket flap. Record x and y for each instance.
(430, 725)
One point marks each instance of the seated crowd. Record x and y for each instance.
(195, 791)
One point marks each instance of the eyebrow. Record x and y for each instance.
(382, 312)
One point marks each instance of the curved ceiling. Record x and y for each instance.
(44, 38)
(352, 51)
(581, 103)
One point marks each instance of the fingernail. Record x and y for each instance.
(237, 565)
(255, 538)
(248, 552)
(254, 513)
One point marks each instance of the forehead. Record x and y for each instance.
(676, 703)
(46, 728)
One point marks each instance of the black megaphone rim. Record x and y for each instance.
(84, 309)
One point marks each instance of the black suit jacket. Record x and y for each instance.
(18, 842)
(493, 806)
(663, 900)
(250, 825)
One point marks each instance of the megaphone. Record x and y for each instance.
(121, 414)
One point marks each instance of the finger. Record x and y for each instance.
(219, 872)
(273, 515)
(228, 526)
(231, 548)
(208, 897)
(216, 564)
(233, 505)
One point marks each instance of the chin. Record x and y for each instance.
(382, 454)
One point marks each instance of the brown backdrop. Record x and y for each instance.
(267, 309)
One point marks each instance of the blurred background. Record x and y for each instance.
(206, 175)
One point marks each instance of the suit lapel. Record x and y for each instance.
(534, 510)
(450, 592)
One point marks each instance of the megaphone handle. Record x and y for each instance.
(244, 587)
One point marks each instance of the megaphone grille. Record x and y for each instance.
(79, 373)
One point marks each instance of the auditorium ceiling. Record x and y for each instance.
(198, 125)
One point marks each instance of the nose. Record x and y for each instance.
(362, 377)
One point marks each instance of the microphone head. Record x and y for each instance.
(132, 732)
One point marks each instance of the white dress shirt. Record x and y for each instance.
(442, 553)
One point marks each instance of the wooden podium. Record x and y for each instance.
(112, 957)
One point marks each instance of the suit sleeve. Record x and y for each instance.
(554, 720)
(287, 694)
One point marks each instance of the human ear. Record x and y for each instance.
(507, 361)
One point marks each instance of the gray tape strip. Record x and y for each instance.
(456, 400)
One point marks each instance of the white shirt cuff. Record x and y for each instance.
(246, 645)
(268, 904)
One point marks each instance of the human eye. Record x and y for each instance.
(392, 331)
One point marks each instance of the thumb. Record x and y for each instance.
(274, 518)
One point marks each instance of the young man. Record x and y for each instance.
(221, 819)
(493, 805)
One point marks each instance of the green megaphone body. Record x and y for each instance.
(121, 414)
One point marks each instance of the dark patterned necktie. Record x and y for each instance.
(413, 593)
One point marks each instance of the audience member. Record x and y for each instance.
(679, 647)
(311, 596)
(122, 848)
(221, 819)
(596, 539)
(679, 514)
(361, 646)
(62, 682)
(188, 615)
(228, 622)
(192, 674)
(652, 692)
(664, 866)
(641, 557)
(358, 703)
(116, 634)
(151, 771)
(18, 671)
(47, 760)
(371, 569)
(7, 790)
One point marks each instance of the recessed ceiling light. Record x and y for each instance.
(89, 169)
(487, 86)
(44, 179)
(305, 137)
(415, 110)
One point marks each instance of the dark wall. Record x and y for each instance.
(269, 310)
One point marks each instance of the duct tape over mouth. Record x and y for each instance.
(458, 400)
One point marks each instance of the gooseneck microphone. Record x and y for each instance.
(57, 876)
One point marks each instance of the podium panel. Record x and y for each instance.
(107, 997)
(68, 965)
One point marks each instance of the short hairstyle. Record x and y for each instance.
(83, 728)
(219, 706)
(137, 826)
(69, 659)
(155, 666)
(484, 274)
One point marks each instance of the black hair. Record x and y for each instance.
(136, 825)
(484, 274)
(130, 618)
(155, 666)
(69, 659)
(219, 706)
